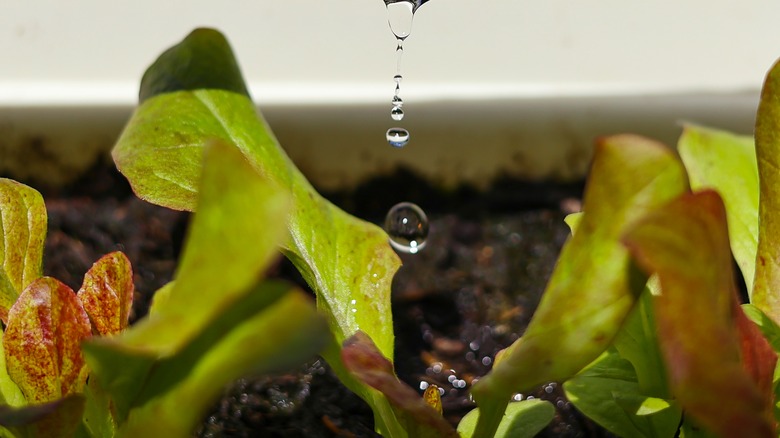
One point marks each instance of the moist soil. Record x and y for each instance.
(469, 293)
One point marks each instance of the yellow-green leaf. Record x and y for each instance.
(766, 287)
(43, 339)
(23, 231)
(727, 163)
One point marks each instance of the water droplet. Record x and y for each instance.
(407, 226)
(451, 378)
(474, 345)
(397, 113)
(517, 397)
(398, 138)
(487, 360)
(423, 385)
(397, 79)
(399, 16)
(397, 102)
(549, 389)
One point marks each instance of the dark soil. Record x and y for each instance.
(468, 294)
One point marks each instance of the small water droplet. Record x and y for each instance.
(398, 138)
(517, 397)
(397, 79)
(423, 385)
(397, 102)
(407, 225)
(549, 389)
(487, 360)
(397, 113)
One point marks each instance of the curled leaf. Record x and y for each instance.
(43, 341)
(107, 293)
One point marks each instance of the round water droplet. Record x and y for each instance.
(397, 113)
(397, 101)
(397, 79)
(407, 226)
(397, 137)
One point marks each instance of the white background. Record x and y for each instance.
(300, 51)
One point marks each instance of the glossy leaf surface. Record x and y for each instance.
(42, 341)
(686, 244)
(593, 287)
(107, 293)
(23, 231)
(347, 261)
(726, 162)
(766, 287)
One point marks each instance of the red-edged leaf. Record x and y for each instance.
(107, 293)
(43, 341)
(686, 244)
(362, 358)
(759, 357)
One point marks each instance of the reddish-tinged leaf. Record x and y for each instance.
(362, 358)
(759, 357)
(686, 244)
(55, 419)
(766, 287)
(22, 232)
(594, 287)
(43, 341)
(433, 398)
(107, 293)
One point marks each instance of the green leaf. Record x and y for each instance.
(107, 293)
(686, 244)
(726, 163)
(347, 261)
(42, 341)
(768, 327)
(232, 238)
(637, 342)
(766, 287)
(593, 287)
(23, 231)
(607, 391)
(367, 364)
(284, 333)
(10, 394)
(522, 419)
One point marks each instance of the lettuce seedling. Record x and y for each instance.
(70, 366)
(686, 343)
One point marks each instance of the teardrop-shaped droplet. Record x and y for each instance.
(397, 113)
(407, 226)
(399, 16)
(397, 137)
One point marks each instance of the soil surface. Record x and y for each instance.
(468, 294)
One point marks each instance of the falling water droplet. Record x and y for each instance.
(397, 113)
(407, 225)
(397, 137)
(397, 101)
(397, 79)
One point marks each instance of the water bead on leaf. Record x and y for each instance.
(407, 226)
